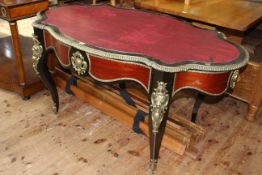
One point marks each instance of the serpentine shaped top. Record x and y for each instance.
(157, 40)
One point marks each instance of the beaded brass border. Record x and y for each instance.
(119, 79)
(203, 91)
(56, 54)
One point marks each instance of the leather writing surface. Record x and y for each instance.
(156, 36)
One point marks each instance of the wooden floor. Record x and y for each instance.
(81, 140)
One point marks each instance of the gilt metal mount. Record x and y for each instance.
(153, 166)
(233, 79)
(159, 101)
(3, 11)
(37, 53)
(79, 63)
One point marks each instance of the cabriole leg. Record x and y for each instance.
(40, 59)
(161, 94)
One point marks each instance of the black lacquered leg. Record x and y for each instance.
(39, 59)
(160, 99)
(47, 79)
(198, 102)
(26, 98)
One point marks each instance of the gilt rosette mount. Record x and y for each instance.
(37, 53)
(79, 63)
(159, 101)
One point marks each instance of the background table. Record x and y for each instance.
(15, 63)
(234, 18)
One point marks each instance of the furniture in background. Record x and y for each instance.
(234, 18)
(15, 68)
(112, 2)
(123, 45)
(63, 2)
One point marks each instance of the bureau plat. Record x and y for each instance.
(162, 54)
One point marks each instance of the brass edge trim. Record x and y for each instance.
(54, 49)
(205, 92)
(58, 58)
(134, 58)
(174, 84)
(117, 79)
(222, 35)
(206, 72)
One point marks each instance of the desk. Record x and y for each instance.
(234, 18)
(164, 56)
(14, 66)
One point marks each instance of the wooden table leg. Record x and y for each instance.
(18, 54)
(256, 98)
(113, 2)
(253, 100)
(40, 64)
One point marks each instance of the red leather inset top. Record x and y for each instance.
(157, 36)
